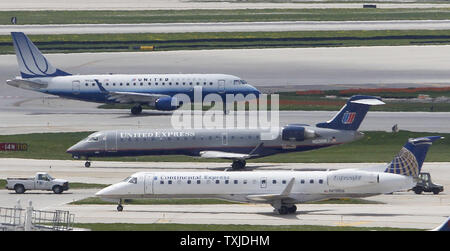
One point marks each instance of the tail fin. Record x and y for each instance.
(32, 63)
(410, 159)
(444, 226)
(352, 114)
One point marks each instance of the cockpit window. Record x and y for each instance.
(133, 180)
(94, 138)
(126, 179)
(236, 82)
(243, 82)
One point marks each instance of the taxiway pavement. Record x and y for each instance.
(402, 209)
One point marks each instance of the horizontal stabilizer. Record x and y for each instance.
(26, 84)
(369, 102)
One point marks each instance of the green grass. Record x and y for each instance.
(235, 15)
(74, 43)
(374, 147)
(212, 227)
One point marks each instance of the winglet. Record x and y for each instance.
(100, 86)
(288, 188)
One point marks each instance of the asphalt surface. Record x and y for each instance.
(183, 4)
(403, 209)
(228, 27)
(276, 69)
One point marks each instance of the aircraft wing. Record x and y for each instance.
(272, 197)
(26, 84)
(131, 97)
(224, 155)
(135, 97)
(229, 155)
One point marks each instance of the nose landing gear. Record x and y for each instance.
(120, 207)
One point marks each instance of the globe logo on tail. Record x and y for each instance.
(405, 163)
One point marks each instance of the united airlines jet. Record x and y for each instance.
(154, 90)
(281, 189)
(234, 144)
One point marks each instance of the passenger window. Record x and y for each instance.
(189, 182)
(302, 181)
(227, 181)
(284, 182)
(311, 181)
(161, 182)
(245, 182)
(236, 182)
(169, 182)
(217, 181)
(274, 182)
(320, 181)
(198, 182)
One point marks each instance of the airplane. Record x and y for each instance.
(154, 90)
(281, 189)
(444, 227)
(233, 144)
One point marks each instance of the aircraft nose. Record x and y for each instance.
(75, 149)
(105, 192)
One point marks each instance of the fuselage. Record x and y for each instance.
(255, 186)
(84, 87)
(192, 141)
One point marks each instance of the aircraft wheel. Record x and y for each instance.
(136, 110)
(293, 209)
(238, 164)
(87, 164)
(283, 210)
(417, 190)
(119, 208)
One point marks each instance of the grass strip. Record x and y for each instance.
(217, 15)
(75, 43)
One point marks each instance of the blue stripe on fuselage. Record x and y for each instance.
(98, 96)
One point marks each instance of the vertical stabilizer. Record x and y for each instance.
(32, 64)
(410, 159)
(352, 113)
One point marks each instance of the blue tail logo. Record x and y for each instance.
(352, 114)
(348, 117)
(32, 64)
(410, 159)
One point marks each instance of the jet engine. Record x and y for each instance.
(165, 104)
(297, 133)
(349, 178)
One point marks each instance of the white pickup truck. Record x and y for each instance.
(41, 181)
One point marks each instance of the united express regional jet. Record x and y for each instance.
(154, 90)
(281, 189)
(233, 144)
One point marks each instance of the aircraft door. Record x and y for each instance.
(263, 182)
(221, 86)
(148, 184)
(224, 138)
(111, 142)
(76, 87)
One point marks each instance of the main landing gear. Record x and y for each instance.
(238, 164)
(283, 209)
(136, 110)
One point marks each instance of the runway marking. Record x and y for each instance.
(163, 221)
(351, 224)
